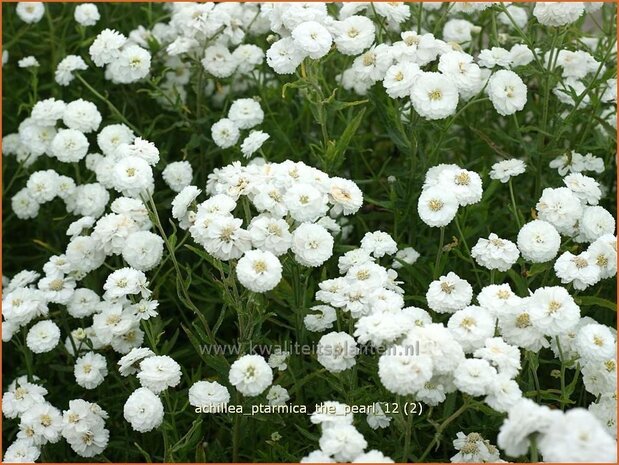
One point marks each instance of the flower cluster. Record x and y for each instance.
(228, 218)
(340, 441)
(296, 206)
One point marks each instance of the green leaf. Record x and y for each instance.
(590, 301)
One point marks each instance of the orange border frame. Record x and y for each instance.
(222, 1)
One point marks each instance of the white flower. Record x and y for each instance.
(345, 196)
(158, 373)
(400, 79)
(495, 253)
(504, 394)
(69, 146)
(82, 116)
(586, 189)
(66, 67)
(449, 294)
(581, 270)
(87, 14)
(133, 177)
(143, 250)
(496, 56)
(322, 320)
(520, 54)
(402, 371)
(437, 207)
(140, 148)
(24, 205)
(507, 92)
(113, 135)
(312, 38)
(143, 410)
(507, 169)
(336, 351)
(466, 74)
(85, 254)
(354, 34)
(284, 56)
(106, 47)
(125, 281)
(343, 442)
(22, 451)
(305, 203)
(277, 395)
(132, 65)
(47, 112)
(475, 377)
(317, 456)
(245, 113)
(90, 370)
(225, 133)
(604, 253)
(253, 142)
(208, 395)
(312, 244)
(434, 96)
(378, 244)
(538, 241)
(518, 16)
(129, 364)
(577, 436)
(504, 357)
(28, 62)
(30, 12)
(43, 336)
(270, 234)
(41, 424)
(278, 358)
(596, 222)
(218, 61)
(407, 255)
(373, 456)
(595, 342)
(558, 13)
(471, 326)
(259, 271)
(178, 175)
(458, 30)
(474, 448)
(251, 375)
(22, 305)
(516, 326)
(464, 184)
(560, 207)
(376, 417)
(225, 239)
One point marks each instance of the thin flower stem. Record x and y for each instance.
(441, 428)
(514, 205)
(110, 105)
(468, 251)
(534, 455)
(177, 268)
(439, 252)
(407, 438)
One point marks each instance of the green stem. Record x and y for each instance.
(439, 252)
(514, 205)
(407, 438)
(468, 251)
(441, 428)
(534, 456)
(110, 105)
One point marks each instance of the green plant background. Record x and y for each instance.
(361, 138)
